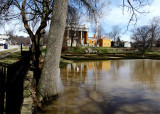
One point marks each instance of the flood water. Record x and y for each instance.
(108, 87)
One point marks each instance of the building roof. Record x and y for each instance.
(77, 27)
(104, 38)
(92, 38)
(4, 36)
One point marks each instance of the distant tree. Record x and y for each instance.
(17, 40)
(4, 7)
(115, 33)
(109, 34)
(101, 30)
(154, 31)
(119, 42)
(141, 37)
(99, 9)
(73, 16)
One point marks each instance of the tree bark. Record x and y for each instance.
(48, 80)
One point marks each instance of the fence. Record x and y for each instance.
(11, 84)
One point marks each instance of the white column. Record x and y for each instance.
(68, 37)
(81, 37)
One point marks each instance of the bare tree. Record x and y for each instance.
(73, 15)
(34, 15)
(154, 30)
(115, 33)
(141, 37)
(109, 34)
(4, 6)
(145, 37)
(99, 7)
(100, 30)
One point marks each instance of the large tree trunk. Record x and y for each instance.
(48, 80)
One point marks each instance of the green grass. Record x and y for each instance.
(12, 58)
(25, 48)
(6, 51)
(101, 50)
(153, 52)
(76, 50)
(81, 50)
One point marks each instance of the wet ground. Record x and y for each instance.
(108, 87)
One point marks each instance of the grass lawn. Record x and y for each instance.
(100, 50)
(153, 52)
(7, 51)
(12, 58)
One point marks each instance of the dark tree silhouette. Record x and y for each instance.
(141, 37)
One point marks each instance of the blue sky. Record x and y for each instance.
(115, 17)
(112, 16)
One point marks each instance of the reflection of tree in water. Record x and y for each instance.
(116, 64)
(70, 75)
(146, 72)
(89, 72)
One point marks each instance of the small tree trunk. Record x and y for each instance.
(48, 80)
(37, 59)
(96, 21)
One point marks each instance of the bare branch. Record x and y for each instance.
(135, 8)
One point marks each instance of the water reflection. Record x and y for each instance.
(87, 72)
(146, 72)
(108, 87)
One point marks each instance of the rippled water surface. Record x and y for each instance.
(108, 87)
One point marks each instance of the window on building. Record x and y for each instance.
(104, 43)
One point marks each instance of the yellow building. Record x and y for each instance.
(104, 42)
(91, 41)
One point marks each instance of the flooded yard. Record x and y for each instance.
(108, 87)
